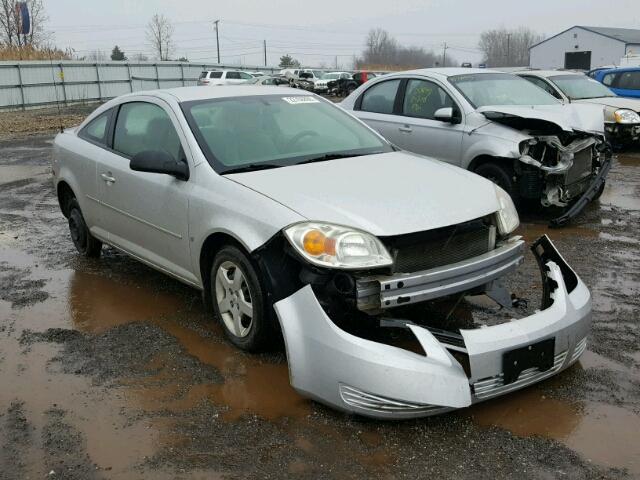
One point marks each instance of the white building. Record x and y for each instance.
(585, 48)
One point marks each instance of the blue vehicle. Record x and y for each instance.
(623, 81)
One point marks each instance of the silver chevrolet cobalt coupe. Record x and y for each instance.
(296, 220)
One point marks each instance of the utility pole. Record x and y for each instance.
(264, 43)
(217, 40)
(336, 62)
(508, 49)
(444, 55)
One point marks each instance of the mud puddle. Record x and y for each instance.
(583, 427)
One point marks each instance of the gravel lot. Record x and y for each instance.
(112, 370)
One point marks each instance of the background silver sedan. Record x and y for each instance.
(495, 124)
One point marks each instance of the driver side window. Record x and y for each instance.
(423, 99)
(144, 127)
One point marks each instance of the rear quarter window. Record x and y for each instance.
(96, 130)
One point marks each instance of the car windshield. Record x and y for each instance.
(482, 89)
(578, 87)
(266, 131)
(317, 73)
(330, 76)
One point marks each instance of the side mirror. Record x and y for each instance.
(447, 114)
(159, 162)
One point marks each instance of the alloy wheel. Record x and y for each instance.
(233, 297)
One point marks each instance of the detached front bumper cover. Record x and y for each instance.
(377, 380)
(586, 198)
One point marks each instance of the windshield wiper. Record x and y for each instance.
(250, 168)
(334, 156)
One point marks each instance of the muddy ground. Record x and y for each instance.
(111, 370)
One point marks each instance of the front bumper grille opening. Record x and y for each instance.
(354, 397)
(443, 246)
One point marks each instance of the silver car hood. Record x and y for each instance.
(386, 194)
(614, 102)
(586, 118)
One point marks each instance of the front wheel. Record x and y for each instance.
(501, 175)
(84, 242)
(238, 300)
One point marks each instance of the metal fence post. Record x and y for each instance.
(130, 77)
(99, 85)
(64, 88)
(157, 75)
(24, 106)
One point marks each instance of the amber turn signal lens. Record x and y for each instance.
(317, 243)
(313, 242)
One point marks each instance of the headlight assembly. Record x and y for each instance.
(334, 246)
(626, 116)
(507, 215)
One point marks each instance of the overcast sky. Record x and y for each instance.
(316, 32)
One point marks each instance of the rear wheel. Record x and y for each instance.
(501, 175)
(238, 300)
(84, 242)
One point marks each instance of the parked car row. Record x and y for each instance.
(296, 220)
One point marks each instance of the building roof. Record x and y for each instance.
(625, 35)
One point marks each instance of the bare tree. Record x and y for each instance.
(507, 48)
(10, 24)
(140, 57)
(96, 56)
(383, 51)
(160, 36)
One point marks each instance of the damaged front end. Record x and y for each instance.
(558, 169)
(363, 343)
(558, 165)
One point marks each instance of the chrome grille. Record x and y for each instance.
(444, 246)
(493, 386)
(367, 401)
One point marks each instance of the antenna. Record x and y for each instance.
(55, 89)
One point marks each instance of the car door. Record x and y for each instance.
(237, 78)
(376, 108)
(420, 132)
(146, 214)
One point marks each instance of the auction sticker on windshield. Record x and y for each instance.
(297, 100)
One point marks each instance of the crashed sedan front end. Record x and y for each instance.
(555, 164)
(560, 172)
(373, 340)
(342, 351)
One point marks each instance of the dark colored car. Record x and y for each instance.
(345, 86)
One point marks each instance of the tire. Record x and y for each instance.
(503, 176)
(86, 244)
(239, 305)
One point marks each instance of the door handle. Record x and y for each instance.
(405, 129)
(107, 177)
